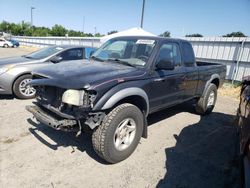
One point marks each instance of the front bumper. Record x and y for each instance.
(51, 121)
(6, 81)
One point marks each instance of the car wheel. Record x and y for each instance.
(119, 134)
(21, 89)
(6, 46)
(205, 104)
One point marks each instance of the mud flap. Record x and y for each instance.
(145, 126)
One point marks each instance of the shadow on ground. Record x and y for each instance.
(83, 142)
(6, 97)
(205, 155)
(64, 139)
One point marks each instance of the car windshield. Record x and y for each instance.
(131, 52)
(43, 53)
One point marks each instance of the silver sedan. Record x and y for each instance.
(15, 72)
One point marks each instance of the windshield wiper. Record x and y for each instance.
(96, 58)
(120, 61)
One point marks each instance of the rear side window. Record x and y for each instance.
(188, 54)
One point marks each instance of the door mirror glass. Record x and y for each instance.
(56, 59)
(165, 64)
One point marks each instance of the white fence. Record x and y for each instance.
(231, 51)
(47, 41)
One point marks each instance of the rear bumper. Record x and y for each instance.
(49, 120)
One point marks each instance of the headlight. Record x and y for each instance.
(74, 97)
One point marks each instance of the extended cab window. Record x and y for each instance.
(72, 54)
(188, 54)
(170, 51)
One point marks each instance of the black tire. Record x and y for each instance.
(202, 106)
(6, 46)
(16, 90)
(103, 136)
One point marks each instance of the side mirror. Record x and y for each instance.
(165, 64)
(56, 59)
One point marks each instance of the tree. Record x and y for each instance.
(58, 30)
(41, 31)
(88, 35)
(73, 33)
(25, 29)
(98, 35)
(165, 34)
(194, 35)
(112, 32)
(235, 34)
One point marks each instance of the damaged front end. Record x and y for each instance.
(65, 109)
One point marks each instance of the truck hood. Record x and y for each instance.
(87, 74)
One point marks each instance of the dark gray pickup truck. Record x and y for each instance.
(126, 79)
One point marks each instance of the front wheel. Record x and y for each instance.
(205, 104)
(21, 89)
(6, 46)
(119, 134)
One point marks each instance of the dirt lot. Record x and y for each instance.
(183, 150)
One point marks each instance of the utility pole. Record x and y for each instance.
(31, 15)
(142, 13)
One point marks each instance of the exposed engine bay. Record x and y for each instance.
(65, 109)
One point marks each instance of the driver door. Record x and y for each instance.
(167, 86)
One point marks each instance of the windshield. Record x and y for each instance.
(134, 52)
(43, 53)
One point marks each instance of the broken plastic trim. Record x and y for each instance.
(43, 117)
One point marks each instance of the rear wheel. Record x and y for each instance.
(21, 88)
(119, 134)
(6, 46)
(205, 104)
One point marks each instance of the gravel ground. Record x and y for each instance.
(183, 150)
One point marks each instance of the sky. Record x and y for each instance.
(180, 17)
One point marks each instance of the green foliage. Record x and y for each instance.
(112, 32)
(194, 35)
(25, 29)
(41, 31)
(88, 35)
(165, 34)
(58, 30)
(73, 33)
(235, 34)
(98, 35)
